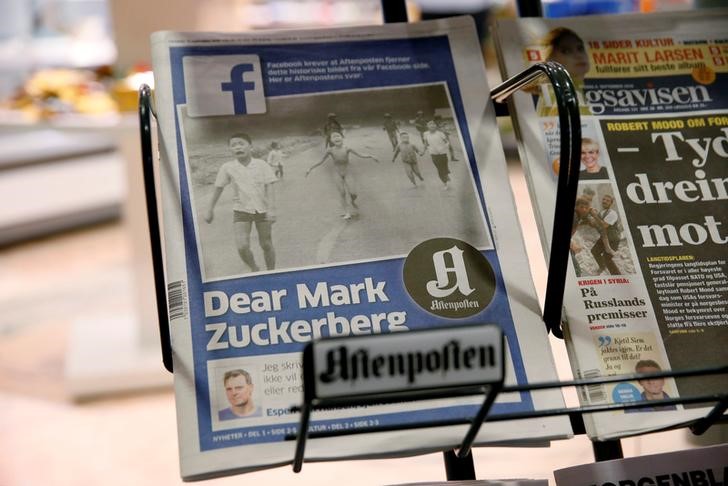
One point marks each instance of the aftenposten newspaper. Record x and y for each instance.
(333, 183)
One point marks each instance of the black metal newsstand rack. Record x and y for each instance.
(459, 463)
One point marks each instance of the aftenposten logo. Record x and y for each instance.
(449, 278)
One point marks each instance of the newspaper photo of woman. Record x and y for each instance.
(590, 160)
(567, 48)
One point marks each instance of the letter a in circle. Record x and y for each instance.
(442, 286)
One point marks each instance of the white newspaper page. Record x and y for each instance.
(704, 465)
(647, 287)
(333, 183)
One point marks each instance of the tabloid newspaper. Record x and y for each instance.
(324, 132)
(647, 287)
(691, 467)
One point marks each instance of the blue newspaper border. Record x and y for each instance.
(436, 51)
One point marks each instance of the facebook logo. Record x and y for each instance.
(223, 85)
(237, 86)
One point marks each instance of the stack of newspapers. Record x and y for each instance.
(647, 289)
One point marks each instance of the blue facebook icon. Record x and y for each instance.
(237, 86)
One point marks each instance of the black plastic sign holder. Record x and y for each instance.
(488, 384)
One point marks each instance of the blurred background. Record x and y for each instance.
(83, 395)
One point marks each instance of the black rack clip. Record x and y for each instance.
(714, 416)
(146, 112)
(461, 461)
(570, 129)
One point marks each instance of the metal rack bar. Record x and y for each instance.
(567, 184)
(529, 8)
(458, 468)
(150, 194)
(574, 413)
(702, 425)
(464, 450)
(394, 11)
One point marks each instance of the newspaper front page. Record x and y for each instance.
(648, 283)
(703, 465)
(333, 183)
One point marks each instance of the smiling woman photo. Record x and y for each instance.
(593, 169)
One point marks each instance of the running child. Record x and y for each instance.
(253, 186)
(438, 145)
(391, 127)
(275, 159)
(442, 126)
(420, 123)
(408, 153)
(339, 154)
(332, 125)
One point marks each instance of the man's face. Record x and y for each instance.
(589, 155)
(240, 147)
(607, 201)
(238, 391)
(652, 386)
(431, 126)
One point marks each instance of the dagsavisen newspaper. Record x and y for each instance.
(333, 183)
(648, 282)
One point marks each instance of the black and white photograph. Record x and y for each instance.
(599, 245)
(329, 179)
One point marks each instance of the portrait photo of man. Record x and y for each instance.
(239, 392)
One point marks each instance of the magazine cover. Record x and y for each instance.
(333, 183)
(648, 287)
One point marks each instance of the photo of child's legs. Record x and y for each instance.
(351, 191)
(242, 231)
(416, 169)
(452, 150)
(410, 173)
(440, 162)
(347, 194)
(265, 236)
(393, 138)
